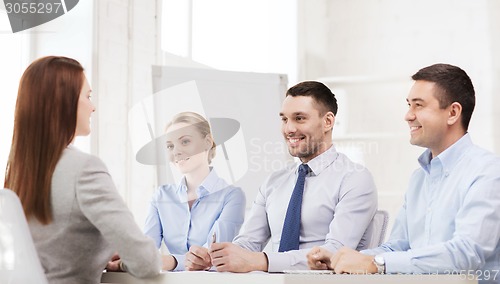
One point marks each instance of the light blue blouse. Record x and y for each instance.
(220, 207)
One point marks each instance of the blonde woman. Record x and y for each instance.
(185, 216)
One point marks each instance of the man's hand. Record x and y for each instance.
(197, 258)
(318, 258)
(114, 263)
(168, 262)
(347, 260)
(232, 258)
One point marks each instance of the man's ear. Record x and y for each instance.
(455, 113)
(329, 119)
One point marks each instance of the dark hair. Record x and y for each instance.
(319, 92)
(44, 125)
(454, 85)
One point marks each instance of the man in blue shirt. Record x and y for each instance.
(450, 219)
(338, 203)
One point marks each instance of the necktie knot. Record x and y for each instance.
(303, 169)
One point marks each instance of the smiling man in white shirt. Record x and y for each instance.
(338, 200)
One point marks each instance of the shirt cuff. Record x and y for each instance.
(374, 251)
(366, 252)
(397, 262)
(280, 261)
(180, 261)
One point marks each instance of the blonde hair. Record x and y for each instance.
(200, 123)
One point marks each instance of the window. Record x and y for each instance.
(254, 36)
(14, 58)
(17, 50)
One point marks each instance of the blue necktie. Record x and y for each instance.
(291, 227)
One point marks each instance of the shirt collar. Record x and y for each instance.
(322, 161)
(209, 185)
(449, 157)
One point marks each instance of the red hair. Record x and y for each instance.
(44, 125)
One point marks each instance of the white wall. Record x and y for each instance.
(126, 46)
(367, 52)
(493, 9)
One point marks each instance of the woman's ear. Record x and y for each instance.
(209, 141)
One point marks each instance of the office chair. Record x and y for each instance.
(19, 262)
(380, 222)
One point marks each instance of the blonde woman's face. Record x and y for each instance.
(85, 110)
(187, 148)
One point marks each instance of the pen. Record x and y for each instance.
(214, 238)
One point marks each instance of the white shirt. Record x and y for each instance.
(338, 205)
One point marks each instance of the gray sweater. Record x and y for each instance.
(90, 223)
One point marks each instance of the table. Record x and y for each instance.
(207, 277)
